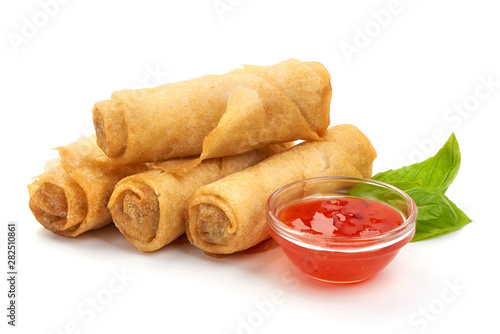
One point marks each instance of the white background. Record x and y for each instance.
(402, 84)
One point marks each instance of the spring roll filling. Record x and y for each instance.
(50, 207)
(213, 225)
(111, 128)
(137, 211)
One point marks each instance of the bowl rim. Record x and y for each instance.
(337, 243)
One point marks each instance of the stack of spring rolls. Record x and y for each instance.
(199, 157)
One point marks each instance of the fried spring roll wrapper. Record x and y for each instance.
(148, 207)
(216, 115)
(228, 215)
(71, 197)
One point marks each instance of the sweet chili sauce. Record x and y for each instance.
(341, 217)
(348, 218)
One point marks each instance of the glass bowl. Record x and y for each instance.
(341, 258)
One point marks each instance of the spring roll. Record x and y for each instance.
(148, 207)
(216, 115)
(228, 215)
(70, 197)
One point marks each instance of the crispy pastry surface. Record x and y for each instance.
(148, 207)
(216, 115)
(228, 215)
(70, 198)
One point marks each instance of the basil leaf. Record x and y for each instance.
(436, 172)
(376, 193)
(437, 215)
(402, 185)
(426, 182)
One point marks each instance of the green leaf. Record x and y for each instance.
(437, 215)
(426, 182)
(376, 193)
(436, 172)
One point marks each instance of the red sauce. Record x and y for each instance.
(340, 217)
(343, 217)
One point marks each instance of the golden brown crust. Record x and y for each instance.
(155, 199)
(71, 197)
(353, 140)
(228, 215)
(216, 115)
(315, 93)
